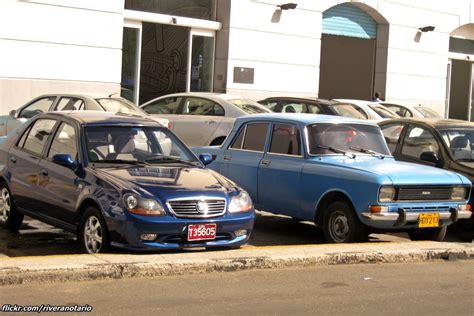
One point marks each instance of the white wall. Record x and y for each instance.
(58, 45)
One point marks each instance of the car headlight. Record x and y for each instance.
(459, 193)
(387, 194)
(240, 203)
(138, 205)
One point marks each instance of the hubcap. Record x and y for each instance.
(5, 205)
(93, 235)
(338, 226)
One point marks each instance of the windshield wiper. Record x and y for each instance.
(164, 158)
(124, 161)
(336, 150)
(368, 151)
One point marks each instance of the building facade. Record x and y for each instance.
(411, 51)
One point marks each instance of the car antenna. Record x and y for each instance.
(112, 94)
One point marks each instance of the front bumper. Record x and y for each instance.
(403, 217)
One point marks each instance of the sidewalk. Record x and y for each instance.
(60, 268)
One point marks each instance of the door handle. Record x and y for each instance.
(13, 159)
(210, 122)
(44, 172)
(265, 162)
(227, 158)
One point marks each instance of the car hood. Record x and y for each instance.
(397, 171)
(169, 182)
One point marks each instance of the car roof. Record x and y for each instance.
(210, 95)
(438, 123)
(303, 118)
(357, 102)
(297, 98)
(102, 118)
(83, 94)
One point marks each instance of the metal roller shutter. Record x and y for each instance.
(348, 20)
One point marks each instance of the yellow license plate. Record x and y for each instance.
(428, 220)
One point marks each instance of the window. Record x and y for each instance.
(251, 137)
(65, 142)
(198, 106)
(348, 110)
(293, 107)
(403, 112)
(314, 109)
(417, 141)
(69, 104)
(38, 136)
(40, 106)
(391, 133)
(271, 105)
(285, 140)
(248, 106)
(164, 106)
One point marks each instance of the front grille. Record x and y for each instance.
(197, 208)
(424, 193)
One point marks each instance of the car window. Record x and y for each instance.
(314, 108)
(38, 136)
(348, 110)
(391, 133)
(64, 142)
(285, 140)
(383, 112)
(271, 105)
(248, 106)
(427, 112)
(199, 106)
(293, 107)
(69, 104)
(119, 105)
(40, 106)
(418, 140)
(251, 137)
(403, 112)
(163, 106)
(460, 142)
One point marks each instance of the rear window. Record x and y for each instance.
(248, 106)
(348, 110)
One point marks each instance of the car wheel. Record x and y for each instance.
(434, 234)
(341, 224)
(93, 232)
(10, 217)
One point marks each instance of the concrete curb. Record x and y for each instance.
(98, 267)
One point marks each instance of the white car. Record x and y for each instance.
(70, 102)
(405, 110)
(202, 118)
(371, 110)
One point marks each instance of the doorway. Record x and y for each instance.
(461, 90)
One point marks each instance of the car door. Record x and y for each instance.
(199, 120)
(279, 172)
(58, 186)
(36, 107)
(417, 140)
(24, 158)
(392, 134)
(241, 160)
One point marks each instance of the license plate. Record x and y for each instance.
(428, 220)
(202, 232)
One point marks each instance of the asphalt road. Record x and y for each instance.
(39, 239)
(434, 288)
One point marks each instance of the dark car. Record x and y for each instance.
(118, 180)
(443, 143)
(313, 106)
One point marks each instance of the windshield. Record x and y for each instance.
(383, 112)
(135, 144)
(327, 138)
(461, 144)
(116, 105)
(248, 106)
(427, 112)
(348, 110)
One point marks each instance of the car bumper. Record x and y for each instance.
(404, 218)
(172, 234)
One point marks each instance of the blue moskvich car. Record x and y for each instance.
(338, 173)
(120, 180)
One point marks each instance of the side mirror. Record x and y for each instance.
(65, 160)
(12, 113)
(206, 159)
(430, 156)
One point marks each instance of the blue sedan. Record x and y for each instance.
(338, 173)
(118, 180)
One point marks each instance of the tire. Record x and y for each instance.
(434, 234)
(93, 234)
(10, 217)
(341, 225)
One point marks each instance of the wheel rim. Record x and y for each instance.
(339, 226)
(93, 235)
(5, 204)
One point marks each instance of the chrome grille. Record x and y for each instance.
(191, 207)
(424, 193)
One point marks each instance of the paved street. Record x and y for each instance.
(434, 288)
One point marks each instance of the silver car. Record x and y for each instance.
(69, 102)
(202, 119)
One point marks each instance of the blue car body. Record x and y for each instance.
(302, 185)
(58, 195)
